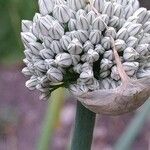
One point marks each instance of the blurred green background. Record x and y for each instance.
(11, 14)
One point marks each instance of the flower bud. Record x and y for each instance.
(99, 5)
(26, 25)
(146, 27)
(75, 59)
(62, 13)
(35, 47)
(35, 30)
(82, 23)
(46, 6)
(98, 24)
(105, 64)
(134, 29)
(77, 4)
(128, 11)
(143, 49)
(39, 65)
(50, 63)
(130, 67)
(114, 73)
(118, 11)
(88, 45)
(26, 71)
(42, 89)
(44, 82)
(63, 60)
(54, 75)
(91, 16)
(145, 39)
(141, 14)
(120, 45)
(56, 31)
(78, 89)
(108, 9)
(74, 35)
(135, 4)
(86, 66)
(93, 86)
(105, 18)
(93, 56)
(106, 42)
(44, 25)
(56, 47)
(75, 47)
(84, 57)
(72, 24)
(110, 32)
(65, 41)
(88, 7)
(104, 74)
(143, 73)
(130, 54)
(132, 41)
(122, 21)
(83, 35)
(114, 22)
(95, 36)
(86, 74)
(27, 38)
(36, 17)
(78, 68)
(80, 12)
(122, 34)
(31, 84)
(132, 19)
(147, 18)
(99, 49)
(26, 61)
(28, 54)
(122, 2)
(47, 54)
(109, 55)
(47, 41)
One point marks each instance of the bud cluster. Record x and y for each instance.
(68, 44)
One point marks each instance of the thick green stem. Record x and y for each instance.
(84, 125)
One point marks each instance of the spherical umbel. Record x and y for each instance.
(69, 44)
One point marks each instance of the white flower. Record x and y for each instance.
(62, 13)
(106, 64)
(108, 9)
(98, 24)
(26, 25)
(82, 23)
(69, 43)
(63, 60)
(77, 4)
(99, 5)
(54, 75)
(56, 31)
(95, 36)
(31, 84)
(46, 6)
(130, 54)
(75, 47)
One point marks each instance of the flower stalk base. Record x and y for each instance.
(84, 126)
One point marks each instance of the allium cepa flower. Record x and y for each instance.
(68, 44)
